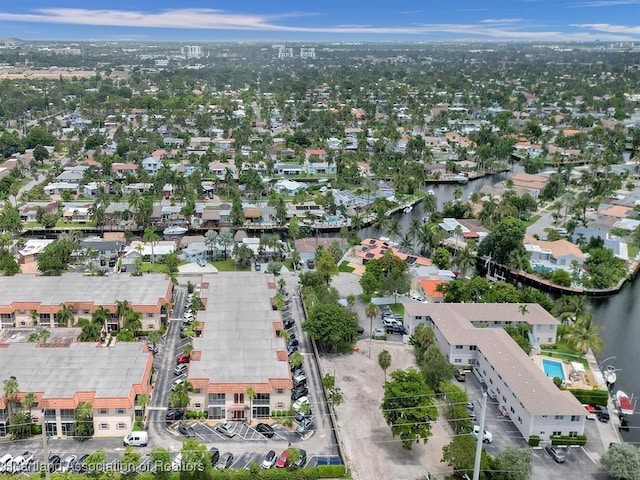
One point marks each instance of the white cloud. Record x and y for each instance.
(502, 29)
(604, 3)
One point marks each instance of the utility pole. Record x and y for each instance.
(476, 463)
(45, 445)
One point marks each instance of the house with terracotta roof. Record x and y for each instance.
(112, 379)
(240, 347)
(118, 170)
(472, 334)
(550, 256)
(27, 300)
(373, 249)
(429, 290)
(533, 184)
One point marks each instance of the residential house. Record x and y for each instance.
(59, 188)
(551, 256)
(289, 169)
(151, 165)
(289, 187)
(31, 249)
(119, 170)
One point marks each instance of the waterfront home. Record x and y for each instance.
(551, 256)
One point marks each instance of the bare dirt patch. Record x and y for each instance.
(371, 450)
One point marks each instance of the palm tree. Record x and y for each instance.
(188, 349)
(394, 229)
(570, 309)
(384, 360)
(135, 200)
(133, 321)
(210, 240)
(465, 260)
(430, 205)
(414, 227)
(90, 331)
(351, 301)
(65, 316)
(151, 236)
(226, 239)
(251, 395)
(585, 335)
(295, 258)
(371, 311)
(11, 390)
(179, 398)
(457, 193)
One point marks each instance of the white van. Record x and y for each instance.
(5, 462)
(136, 439)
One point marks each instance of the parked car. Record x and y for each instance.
(5, 462)
(186, 430)
(176, 383)
(183, 358)
(19, 463)
(304, 425)
(302, 459)
(80, 466)
(591, 411)
(299, 377)
(227, 429)
(202, 263)
(174, 414)
(602, 413)
(311, 263)
(378, 333)
(555, 453)
(68, 463)
(54, 463)
(215, 455)
(226, 460)
(283, 459)
(269, 460)
(257, 267)
(181, 369)
(360, 330)
(265, 430)
(486, 438)
(296, 393)
(460, 375)
(395, 329)
(297, 405)
(188, 316)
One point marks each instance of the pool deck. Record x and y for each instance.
(573, 379)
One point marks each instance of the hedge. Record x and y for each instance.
(534, 441)
(331, 471)
(591, 397)
(579, 440)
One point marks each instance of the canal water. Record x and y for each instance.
(619, 315)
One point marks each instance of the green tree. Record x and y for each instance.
(332, 326)
(196, 460)
(435, 367)
(11, 389)
(514, 464)
(8, 264)
(460, 454)
(83, 416)
(334, 393)
(161, 459)
(20, 424)
(294, 229)
(296, 359)
(408, 407)
(442, 258)
(622, 461)
(55, 257)
(584, 334)
(95, 463)
(65, 316)
(281, 211)
(455, 410)
(236, 215)
(384, 360)
(179, 398)
(503, 240)
(40, 154)
(326, 265)
(129, 462)
(421, 339)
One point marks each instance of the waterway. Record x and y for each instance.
(618, 315)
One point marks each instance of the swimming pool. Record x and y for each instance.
(553, 369)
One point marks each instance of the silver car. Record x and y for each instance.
(227, 429)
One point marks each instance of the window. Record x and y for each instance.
(457, 360)
(472, 361)
(197, 390)
(512, 410)
(573, 434)
(121, 426)
(556, 434)
(197, 405)
(104, 426)
(575, 418)
(473, 347)
(519, 420)
(280, 405)
(459, 347)
(85, 312)
(559, 417)
(544, 416)
(280, 391)
(120, 411)
(151, 325)
(104, 411)
(238, 398)
(549, 340)
(149, 315)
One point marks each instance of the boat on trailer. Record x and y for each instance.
(623, 402)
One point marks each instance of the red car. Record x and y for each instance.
(183, 358)
(282, 460)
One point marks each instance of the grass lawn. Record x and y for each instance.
(148, 267)
(344, 267)
(533, 219)
(229, 265)
(397, 308)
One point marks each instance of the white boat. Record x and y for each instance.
(408, 209)
(623, 402)
(173, 230)
(610, 375)
(431, 192)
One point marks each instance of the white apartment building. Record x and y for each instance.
(473, 335)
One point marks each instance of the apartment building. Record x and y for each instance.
(27, 300)
(473, 335)
(111, 379)
(239, 348)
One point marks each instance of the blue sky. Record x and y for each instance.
(322, 20)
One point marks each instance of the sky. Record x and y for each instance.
(322, 20)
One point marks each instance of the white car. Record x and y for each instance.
(297, 405)
(68, 463)
(5, 462)
(379, 332)
(176, 465)
(486, 438)
(269, 460)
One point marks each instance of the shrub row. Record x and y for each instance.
(579, 440)
(534, 441)
(591, 397)
(331, 471)
(197, 414)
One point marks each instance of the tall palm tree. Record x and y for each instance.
(570, 309)
(394, 229)
(251, 395)
(150, 235)
(384, 360)
(135, 200)
(465, 260)
(371, 311)
(133, 321)
(11, 390)
(65, 316)
(585, 335)
(179, 398)
(210, 240)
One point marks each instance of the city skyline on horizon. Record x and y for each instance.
(331, 21)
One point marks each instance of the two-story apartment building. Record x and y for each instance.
(109, 378)
(473, 335)
(240, 347)
(27, 300)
